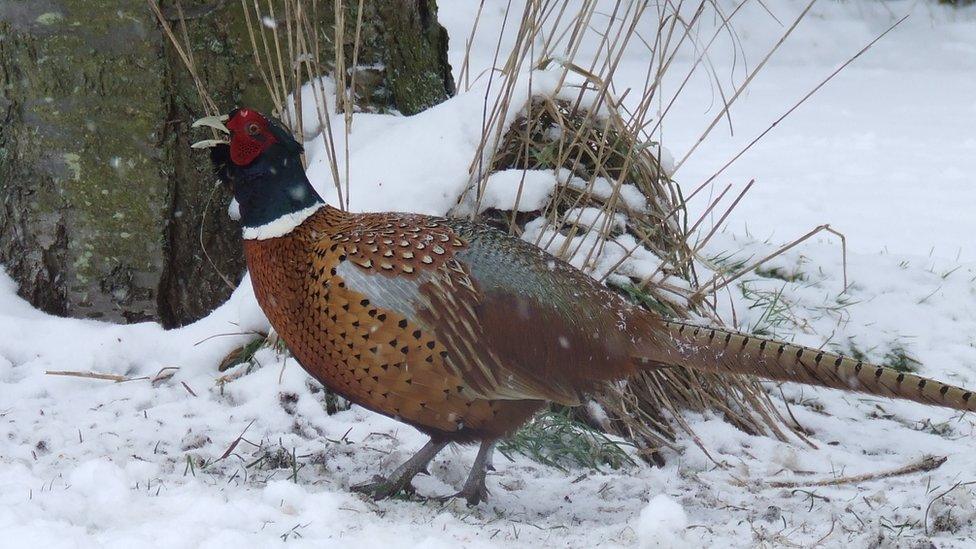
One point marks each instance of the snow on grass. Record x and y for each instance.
(885, 152)
(529, 189)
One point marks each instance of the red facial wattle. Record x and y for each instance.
(250, 136)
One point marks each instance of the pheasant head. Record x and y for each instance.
(260, 162)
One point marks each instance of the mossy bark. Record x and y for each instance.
(105, 212)
(402, 59)
(79, 182)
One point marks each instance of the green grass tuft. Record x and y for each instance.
(897, 358)
(643, 297)
(554, 438)
(781, 274)
(775, 314)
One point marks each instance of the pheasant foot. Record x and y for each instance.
(475, 490)
(401, 479)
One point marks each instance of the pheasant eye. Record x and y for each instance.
(253, 128)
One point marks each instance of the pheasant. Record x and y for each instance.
(460, 330)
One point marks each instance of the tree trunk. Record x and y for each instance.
(82, 194)
(402, 60)
(105, 212)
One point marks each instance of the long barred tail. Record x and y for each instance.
(723, 351)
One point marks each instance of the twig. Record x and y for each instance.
(93, 375)
(233, 445)
(188, 389)
(164, 374)
(928, 463)
(250, 332)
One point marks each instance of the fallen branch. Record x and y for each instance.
(928, 463)
(93, 375)
(162, 375)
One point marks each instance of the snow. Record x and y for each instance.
(596, 218)
(661, 524)
(528, 189)
(601, 187)
(234, 210)
(885, 153)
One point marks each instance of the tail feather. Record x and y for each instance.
(723, 351)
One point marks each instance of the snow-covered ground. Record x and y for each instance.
(886, 153)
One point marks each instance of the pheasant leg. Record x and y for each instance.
(400, 479)
(475, 491)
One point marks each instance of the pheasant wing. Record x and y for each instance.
(513, 321)
(518, 323)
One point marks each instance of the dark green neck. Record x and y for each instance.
(272, 187)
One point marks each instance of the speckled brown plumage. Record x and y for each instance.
(373, 356)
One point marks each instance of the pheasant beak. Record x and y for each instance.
(215, 122)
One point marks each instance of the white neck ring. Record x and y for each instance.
(281, 226)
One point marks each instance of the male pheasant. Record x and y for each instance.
(458, 329)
